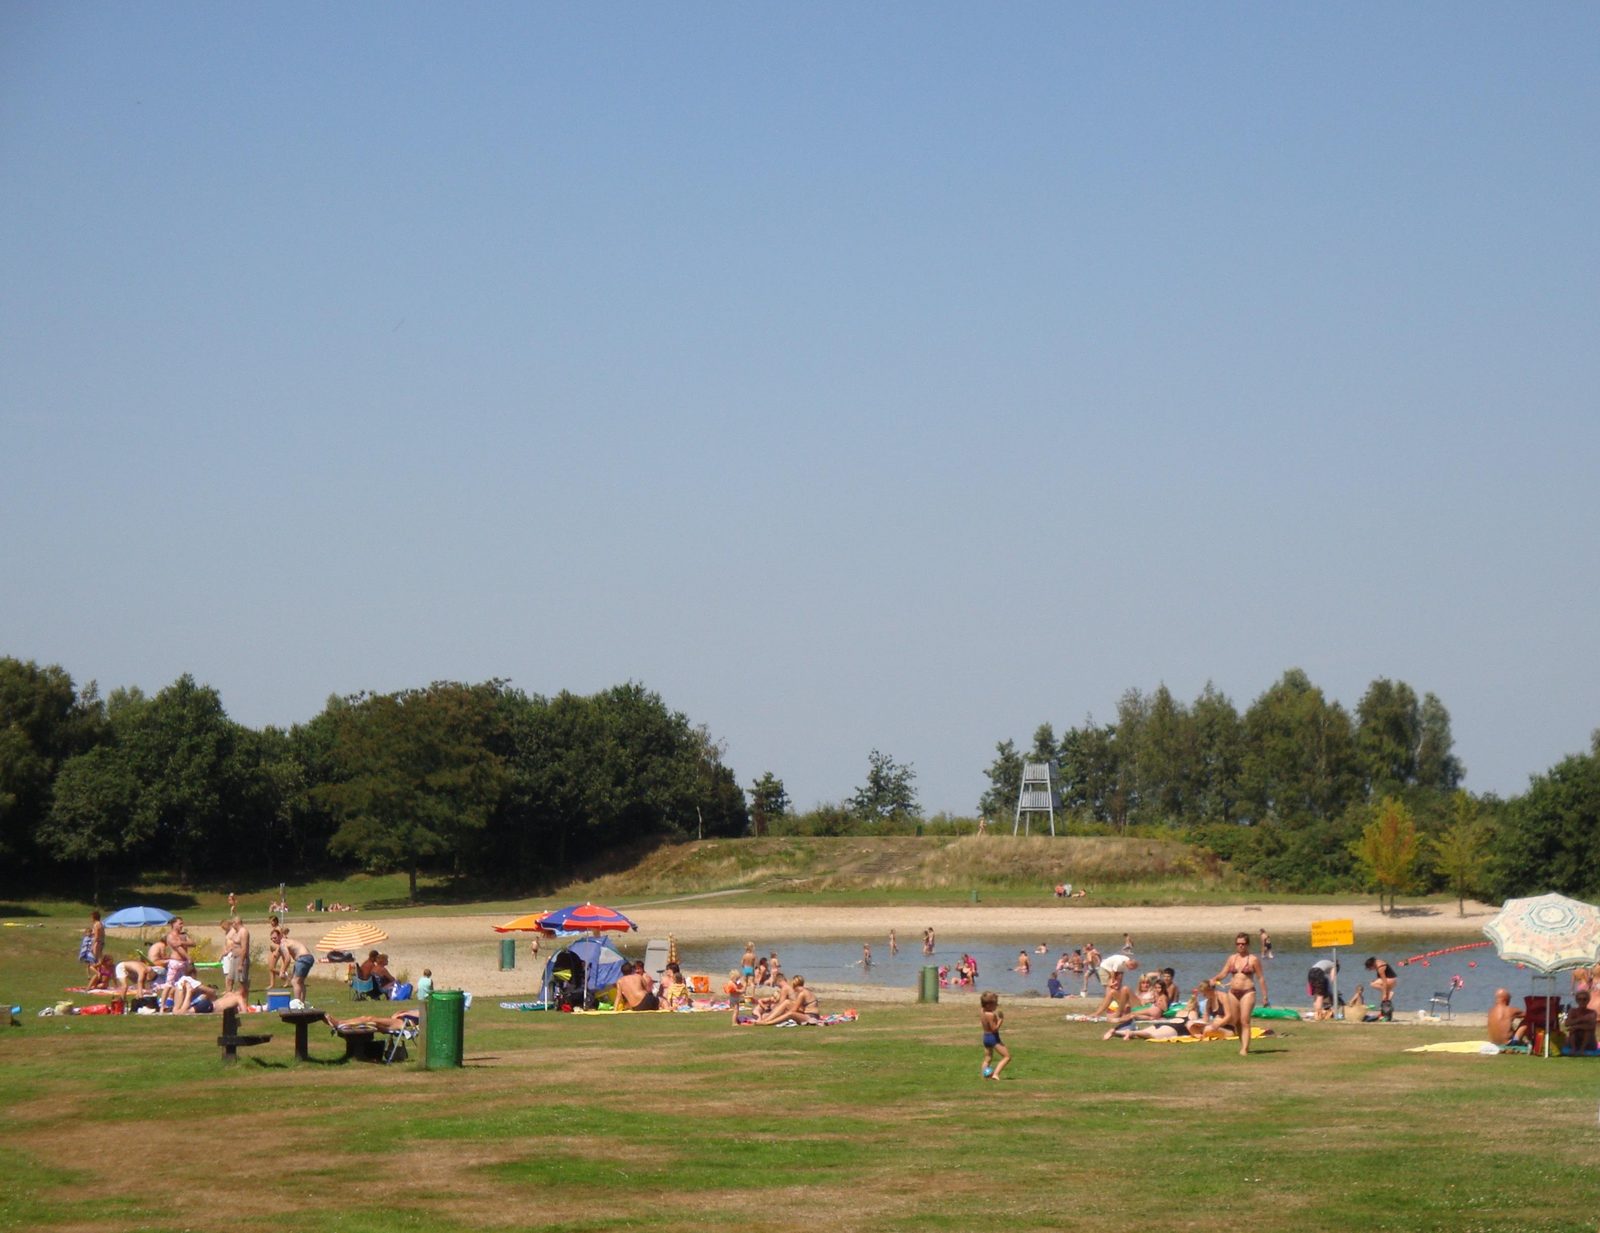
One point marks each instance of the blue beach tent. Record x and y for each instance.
(580, 969)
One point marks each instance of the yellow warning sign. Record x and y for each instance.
(1332, 933)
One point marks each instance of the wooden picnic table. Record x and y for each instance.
(302, 1021)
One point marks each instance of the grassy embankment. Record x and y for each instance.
(997, 869)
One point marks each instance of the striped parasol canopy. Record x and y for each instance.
(352, 936)
(584, 918)
(1548, 933)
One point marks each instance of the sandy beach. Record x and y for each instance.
(463, 951)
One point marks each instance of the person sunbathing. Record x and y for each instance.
(205, 1002)
(800, 1007)
(1155, 1008)
(380, 1023)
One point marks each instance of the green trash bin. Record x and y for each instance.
(928, 989)
(319, 905)
(508, 954)
(442, 1043)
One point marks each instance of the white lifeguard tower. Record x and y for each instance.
(1040, 794)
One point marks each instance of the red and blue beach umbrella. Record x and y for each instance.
(584, 918)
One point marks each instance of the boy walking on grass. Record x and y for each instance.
(993, 1046)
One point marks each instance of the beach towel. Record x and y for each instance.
(1485, 1047)
(1255, 1034)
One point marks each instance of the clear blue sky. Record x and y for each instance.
(892, 376)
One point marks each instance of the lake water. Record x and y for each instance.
(1194, 958)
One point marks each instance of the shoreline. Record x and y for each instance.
(463, 951)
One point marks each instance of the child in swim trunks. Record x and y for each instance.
(993, 1046)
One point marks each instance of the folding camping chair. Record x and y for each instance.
(1541, 1014)
(364, 989)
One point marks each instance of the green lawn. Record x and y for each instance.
(679, 1121)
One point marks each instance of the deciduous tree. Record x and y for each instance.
(889, 791)
(1461, 851)
(1387, 850)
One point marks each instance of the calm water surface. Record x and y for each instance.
(1194, 958)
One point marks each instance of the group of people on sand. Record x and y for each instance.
(762, 996)
(1220, 1007)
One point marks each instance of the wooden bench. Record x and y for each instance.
(231, 1041)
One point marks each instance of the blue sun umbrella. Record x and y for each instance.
(137, 918)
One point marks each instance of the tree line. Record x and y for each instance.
(474, 779)
(1301, 794)
(483, 780)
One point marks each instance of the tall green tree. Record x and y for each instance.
(417, 772)
(769, 802)
(93, 812)
(1166, 759)
(1461, 851)
(1044, 744)
(44, 721)
(1299, 763)
(1388, 848)
(1546, 838)
(889, 792)
(181, 747)
(1005, 783)
(1437, 766)
(1217, 759)
(1091, 772)
(1388, 732)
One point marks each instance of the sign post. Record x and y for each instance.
(1334, 933)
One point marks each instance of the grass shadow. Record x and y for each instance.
(17, 909)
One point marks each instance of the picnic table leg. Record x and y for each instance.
(230, 1029)
(302, 1042)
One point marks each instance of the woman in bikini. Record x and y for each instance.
(1383, 982)
(1241, 974)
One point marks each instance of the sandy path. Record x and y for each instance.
(463, 951)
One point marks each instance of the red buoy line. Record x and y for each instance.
(1448, 950)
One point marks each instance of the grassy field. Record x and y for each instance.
(679, 1121)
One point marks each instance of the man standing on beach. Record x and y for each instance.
(94, 940)
(241, 958)
(299, 959)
